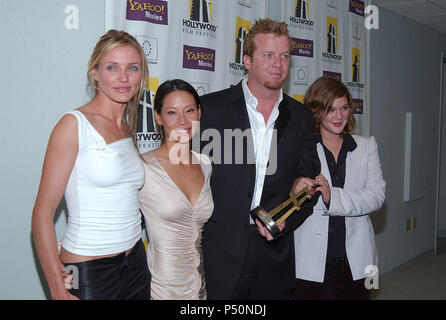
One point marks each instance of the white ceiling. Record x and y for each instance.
(431, 13)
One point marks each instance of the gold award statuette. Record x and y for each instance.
(274, 218)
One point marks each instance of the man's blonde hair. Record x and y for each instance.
(263, 26)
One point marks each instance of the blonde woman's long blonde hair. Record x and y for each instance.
(113, 39)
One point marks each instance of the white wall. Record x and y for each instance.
(43, 67)
(442, 202)
(405, 77)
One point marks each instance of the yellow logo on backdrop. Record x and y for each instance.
(299, 97)
(356, 66)
(146, 133)
(201, 10)
(142, 6)
(199, 55)
(356, 84)
(241, 29)
(332, 35)
(302, 9)
(153, 85)
(301, 19)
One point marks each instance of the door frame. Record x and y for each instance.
(439, 147)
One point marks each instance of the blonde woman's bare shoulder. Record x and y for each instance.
(67, 122)
(65, 130)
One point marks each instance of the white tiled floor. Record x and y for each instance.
(423, 277)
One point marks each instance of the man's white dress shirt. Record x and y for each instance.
(262, 134)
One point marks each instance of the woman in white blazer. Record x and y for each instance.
(335, 246)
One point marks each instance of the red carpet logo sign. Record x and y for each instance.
(236, 67)
(153, 11)
(198, 58)
(356, 7)
(331, 55)
(147, 136)
(200, 19)
(302, 47)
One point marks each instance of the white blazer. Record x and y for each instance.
(363, 193)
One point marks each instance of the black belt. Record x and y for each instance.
(341, 260)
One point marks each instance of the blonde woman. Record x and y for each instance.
(91, 157)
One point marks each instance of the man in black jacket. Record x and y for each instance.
(277, 155)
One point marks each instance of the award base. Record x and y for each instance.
(260, 214)
(282, 211)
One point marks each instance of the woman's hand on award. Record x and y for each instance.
(302, 182)
(323, 187)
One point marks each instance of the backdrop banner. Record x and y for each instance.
(200, 41)
(328, 39)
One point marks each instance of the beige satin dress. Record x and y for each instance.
(174, 230)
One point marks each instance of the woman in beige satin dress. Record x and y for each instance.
(176, 200)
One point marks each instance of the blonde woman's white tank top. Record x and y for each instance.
(102, 194)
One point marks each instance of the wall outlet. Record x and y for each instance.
(408, 225)
(414, 222)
